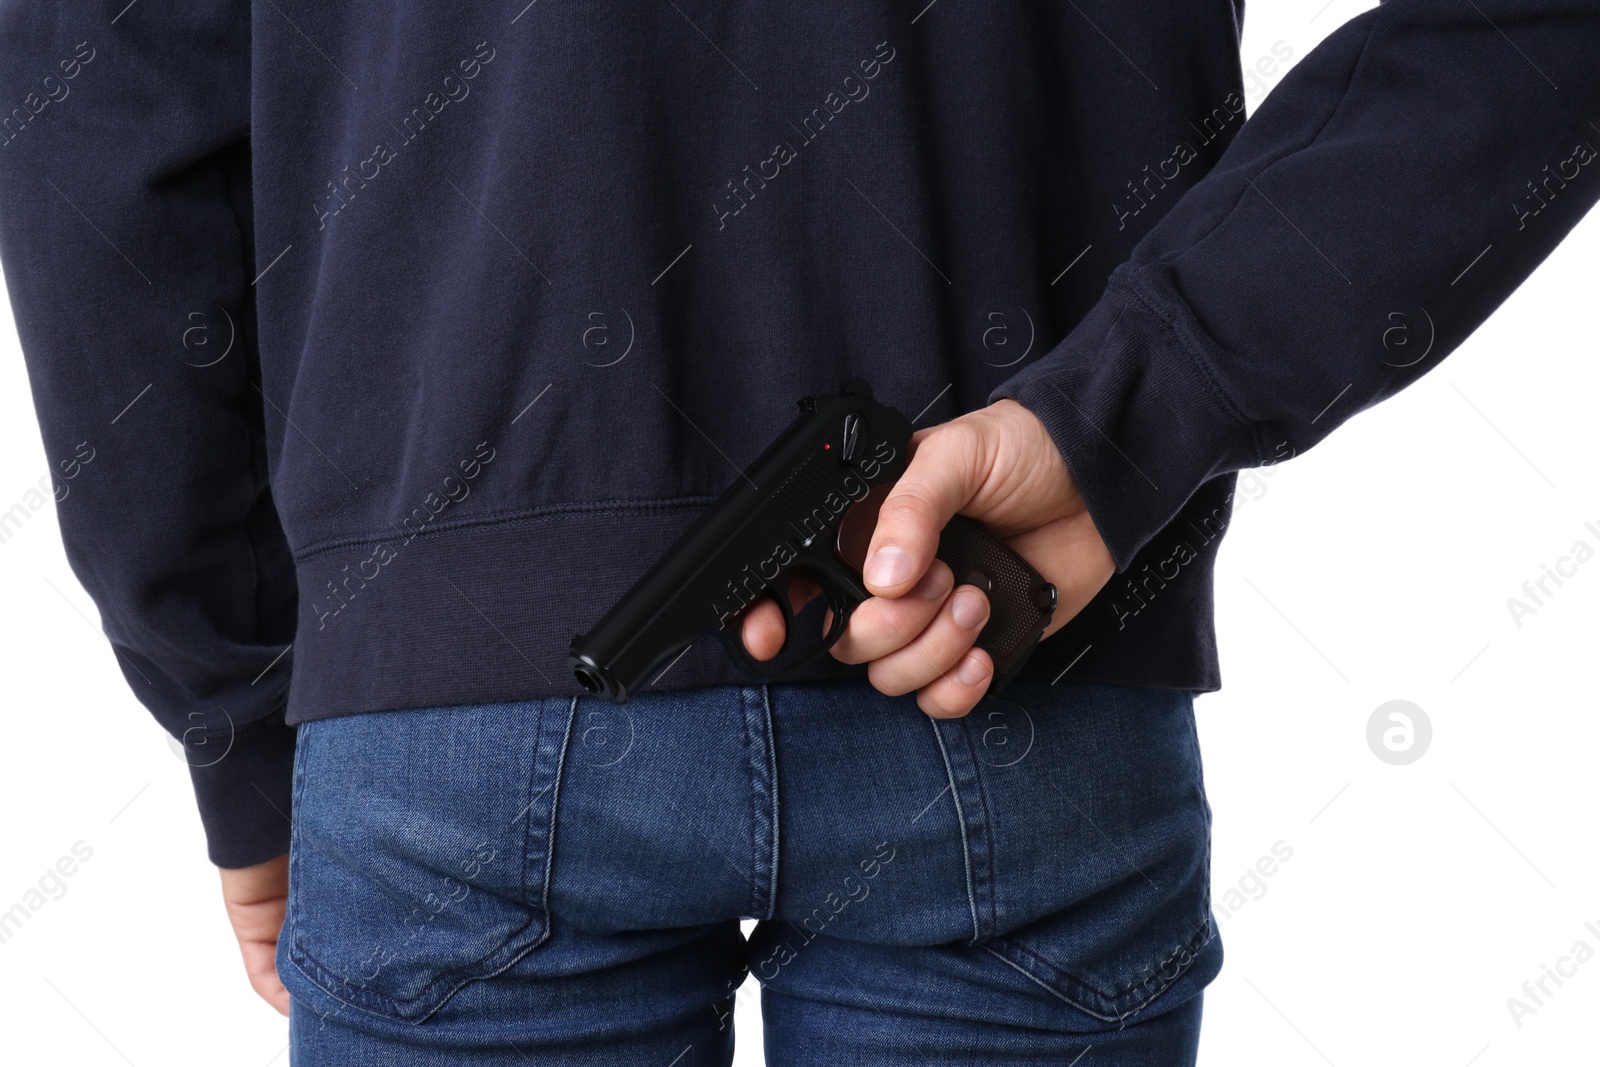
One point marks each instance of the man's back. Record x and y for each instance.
(422, 331)
(531, 287)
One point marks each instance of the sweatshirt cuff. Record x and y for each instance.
(244, 795)
(1141, 423)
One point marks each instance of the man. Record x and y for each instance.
(406, 336)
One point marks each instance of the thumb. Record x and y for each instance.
(940, 479)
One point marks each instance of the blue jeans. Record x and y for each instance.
(560, 882)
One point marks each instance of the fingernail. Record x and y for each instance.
(888, 566)
(972, 671)
(968, 609)
(936, 583)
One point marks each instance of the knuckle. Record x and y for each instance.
(848, 650)
(910, 505)
(902, 619)
(887, 681)
(934, 703)
(895, 624)
(960, 445)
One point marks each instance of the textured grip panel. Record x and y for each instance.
(1020, 600)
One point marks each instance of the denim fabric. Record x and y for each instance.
(560, 881)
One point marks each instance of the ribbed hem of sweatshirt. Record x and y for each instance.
(1126, 398)
(484, 613)
(245, 794)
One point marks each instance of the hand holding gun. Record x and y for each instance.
(807, 506)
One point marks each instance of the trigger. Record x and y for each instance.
(842, 607)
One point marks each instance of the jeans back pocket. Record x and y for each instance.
(420, 849)
(1096, 830)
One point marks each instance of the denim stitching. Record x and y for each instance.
(756, 904)
(537, 707)
(984, 878)
(961, 824)
(296, 790)
(542, 916)
(555, 797)
(1192, 947)
(775, 800)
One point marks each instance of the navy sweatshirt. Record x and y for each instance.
(378, 348)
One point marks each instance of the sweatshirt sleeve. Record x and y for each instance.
(125, 231)
(1385, 198)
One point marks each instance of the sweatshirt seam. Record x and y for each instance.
(517, 517)
(245, 732)
(1140, 291)
(1273, 161)
(251, 362)
(260, 477)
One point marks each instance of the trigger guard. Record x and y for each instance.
(838, 602)
(732, 637)
(741, 655)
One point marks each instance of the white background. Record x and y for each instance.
(1377, 567)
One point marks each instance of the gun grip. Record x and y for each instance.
(1021, 602)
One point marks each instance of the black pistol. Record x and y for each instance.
(808, 505)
